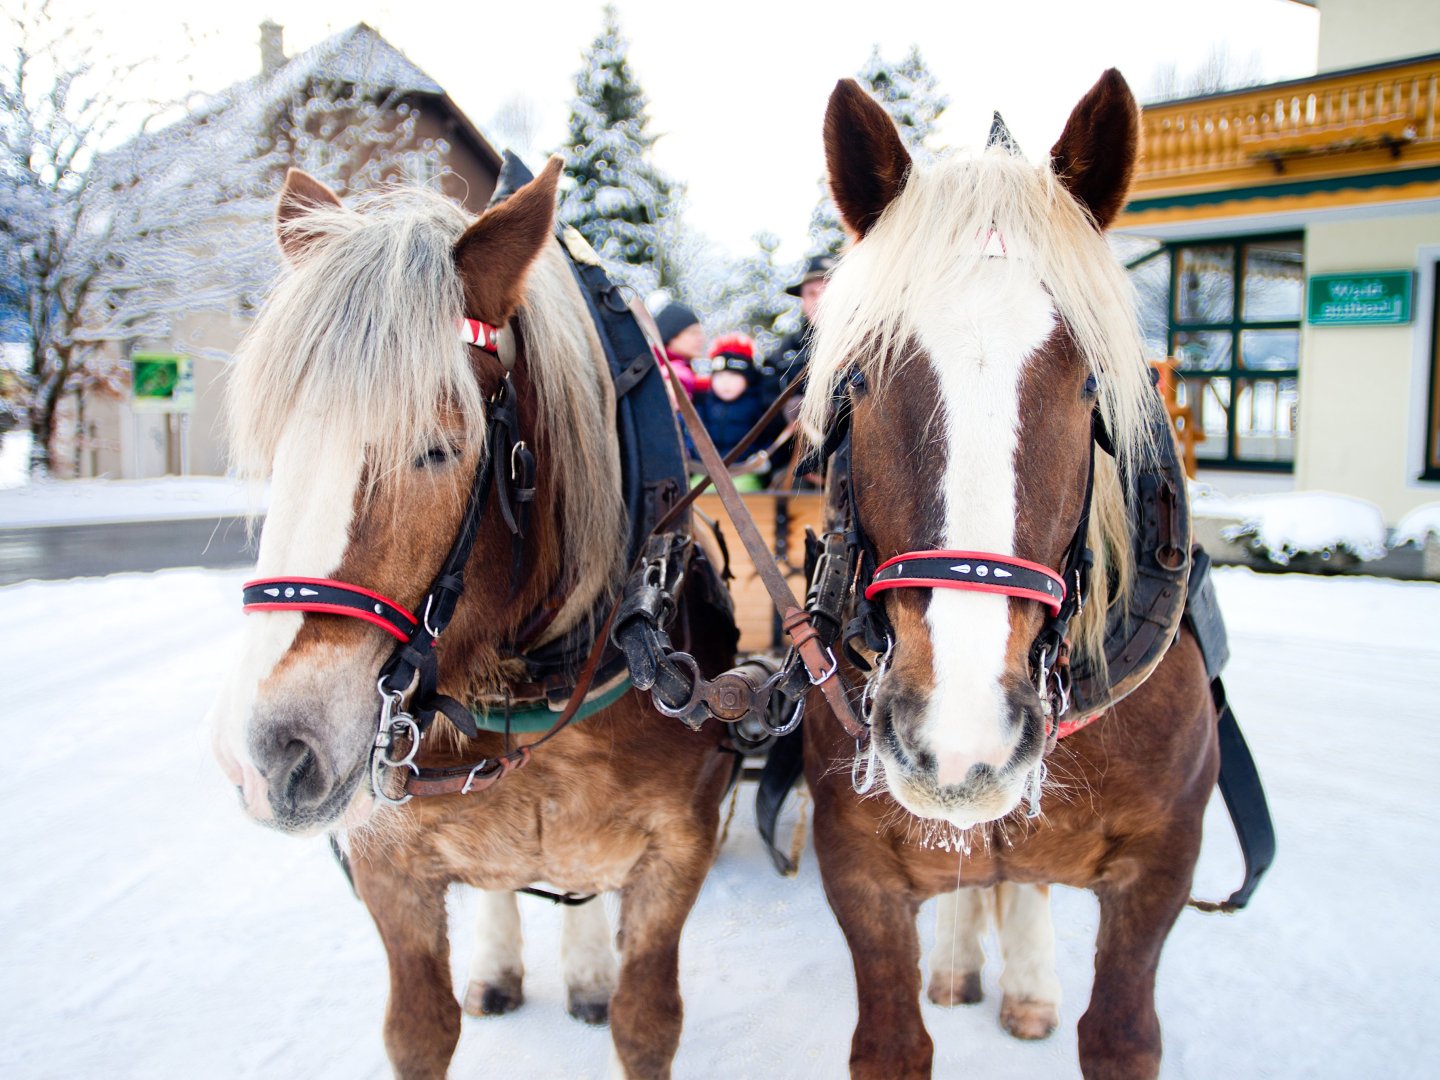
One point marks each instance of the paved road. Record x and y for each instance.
(58, 552)
(65, 551)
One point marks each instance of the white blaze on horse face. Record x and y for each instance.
(307, 529)
(978, 342)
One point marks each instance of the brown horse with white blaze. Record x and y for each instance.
(978, 325)
(356, 395)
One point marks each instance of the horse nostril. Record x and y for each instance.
(296, 779)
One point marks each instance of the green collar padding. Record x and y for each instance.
(525, 719)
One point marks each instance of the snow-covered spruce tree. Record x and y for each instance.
(754, 298)
(618, 198)
(113, 246)
(910, 93)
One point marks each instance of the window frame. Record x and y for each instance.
(1430, 464)
(1235, 373)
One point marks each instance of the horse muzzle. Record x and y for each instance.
(963, 780)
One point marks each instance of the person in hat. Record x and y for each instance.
(736, 400)
(792, 355)
(684, 340)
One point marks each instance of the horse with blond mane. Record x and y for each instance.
(421, 382)
(980, 342)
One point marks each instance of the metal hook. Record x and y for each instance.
(862, 787)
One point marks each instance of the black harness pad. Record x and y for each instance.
(1202, 615)
(1139, 633)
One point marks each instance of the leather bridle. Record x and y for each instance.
(1063, 593)
(507, 467)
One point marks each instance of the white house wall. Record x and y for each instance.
(1358, 32)
(1356, 430)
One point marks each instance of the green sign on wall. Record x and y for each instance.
(161, 383)
(1378, 298)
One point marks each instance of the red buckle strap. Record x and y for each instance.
(329, 598)
(482, 334)
(976, 571)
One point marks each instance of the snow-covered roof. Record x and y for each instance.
(358, 56)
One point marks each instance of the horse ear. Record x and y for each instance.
(1095, 157)
(301, 195)
(496, 252)
(867, 161)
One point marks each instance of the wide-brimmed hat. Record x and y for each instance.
(675, 319)
(816, 268)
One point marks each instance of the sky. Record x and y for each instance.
(737, 89)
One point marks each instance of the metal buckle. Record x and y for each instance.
(824, 675)
(515, 472)
(477, 771)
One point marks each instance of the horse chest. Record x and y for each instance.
(551, 838)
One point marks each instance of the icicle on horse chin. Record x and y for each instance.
(978, 326)
(375, 422)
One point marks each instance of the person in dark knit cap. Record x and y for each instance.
(684, 340)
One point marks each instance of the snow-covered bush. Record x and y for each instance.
(1303, 523)
(1419, 526)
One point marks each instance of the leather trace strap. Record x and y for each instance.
(819, 659)
(974, 571)
(330, 598)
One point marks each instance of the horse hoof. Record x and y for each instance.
(1028, 1020)
(494, 999)
(947, 990)
(587, 1008)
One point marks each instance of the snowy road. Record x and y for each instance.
(150, 932)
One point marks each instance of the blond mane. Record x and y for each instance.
(925, 247)
(358, 342)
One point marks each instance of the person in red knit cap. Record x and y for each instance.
(735, 401)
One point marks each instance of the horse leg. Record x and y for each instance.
(588, 962)
(875, 906)
(1140, 897)
(1030, 1008)
(497, 971)
(646, 1011)
(957, 959)
(422, 1017)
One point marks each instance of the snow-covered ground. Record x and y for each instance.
(14, 458)
(92, 502)
(150, 932)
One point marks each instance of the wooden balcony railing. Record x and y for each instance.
(1334, 124)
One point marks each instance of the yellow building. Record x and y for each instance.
(1297, 277)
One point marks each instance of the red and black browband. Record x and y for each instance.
(330, 598)
(975, 571)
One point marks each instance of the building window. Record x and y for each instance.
(1432, 419)
(1234, 328)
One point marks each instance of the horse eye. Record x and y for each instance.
(436, 455)
(1092, 386)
